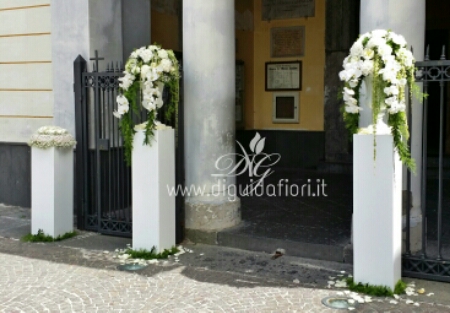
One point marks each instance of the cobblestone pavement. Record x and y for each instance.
(81, 275)
(55, 278)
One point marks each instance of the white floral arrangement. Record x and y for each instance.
(52, 136)
(383, 55)
(147, 71)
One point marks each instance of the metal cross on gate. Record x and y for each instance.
(96, 59)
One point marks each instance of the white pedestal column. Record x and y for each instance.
(377, 212)
(153, 173)
(52, 190)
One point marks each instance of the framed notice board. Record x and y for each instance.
(284, 76)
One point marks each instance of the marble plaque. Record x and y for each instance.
(287, 42)
(286, 9)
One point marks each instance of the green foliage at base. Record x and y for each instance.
(41, 237)
(149, 255)
(377, 291)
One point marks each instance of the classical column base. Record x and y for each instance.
(214, 215)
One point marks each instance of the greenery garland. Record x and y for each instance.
(147, 71)
(383, 55)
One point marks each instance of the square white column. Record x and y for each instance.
(153, 174)
(52, 190)
(377, 211)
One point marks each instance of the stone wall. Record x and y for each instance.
(341, 30)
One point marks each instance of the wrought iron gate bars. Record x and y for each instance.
(422, 265)
(103, 182)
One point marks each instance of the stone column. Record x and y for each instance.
(209, 95)
(408, 19)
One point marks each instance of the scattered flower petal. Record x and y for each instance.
(430, 294)
(393, 302)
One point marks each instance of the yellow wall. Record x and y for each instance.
(253, 47)
(244, 52)
(312, 94)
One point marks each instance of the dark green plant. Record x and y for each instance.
(377, 291)
(149, 255)
(42, 237)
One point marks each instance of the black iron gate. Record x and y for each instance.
(103, 180)
(431, 261)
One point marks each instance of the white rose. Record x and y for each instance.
(375, 42)
(146, 55)
(379, 33)
(398, 39)
(163, 54)
(166, 65)
(357, 49)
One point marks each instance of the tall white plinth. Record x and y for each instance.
(377, 211)
(153, 171)
(52, 190)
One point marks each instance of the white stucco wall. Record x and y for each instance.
(26, 91)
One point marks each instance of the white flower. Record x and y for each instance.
(344, 75)
(144, 71)
(392, 90)
(152, 75)
(351, 101)
(398, 39)
(402, 82)
(117, 114)
(166, 65)
(390, 71)
(126, 81)
(122, 100)
(349, 91)
(384, 50)
(122, 109)
(146, 55)
(163, 54)
(406, 57)
(367, 67)
(379, 33)
(374, 42)
(153, 48)
(352, 109)
(132, 67)
(357, 49)
(368, 54)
